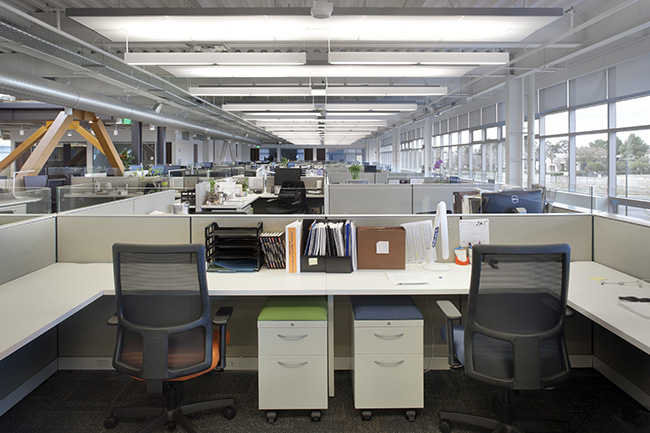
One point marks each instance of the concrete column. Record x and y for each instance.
(531, 108)
(426, 156)
(396, 151)
(161, 139)
(514, 131)
(136, 142)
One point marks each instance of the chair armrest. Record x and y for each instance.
(569, 312)
(451, 313)
(221, 319)
(222, 316)
(112, 321)
(449, 310)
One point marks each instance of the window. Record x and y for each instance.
(557, 123)
(557, 163)
(633, 164)
(591, 118)
(591, 163)
(632, 112)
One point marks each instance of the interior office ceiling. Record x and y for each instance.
(266, 71)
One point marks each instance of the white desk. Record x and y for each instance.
(37, 302)
(600, 302)
(235, 205)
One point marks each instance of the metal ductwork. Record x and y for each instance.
(35, 88)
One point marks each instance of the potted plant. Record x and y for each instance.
(354, 169)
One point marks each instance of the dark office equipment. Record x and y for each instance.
(53, 184)
(164, 332)
(39, 181)
(370, 169)
(514, 328)
(292, 198)
(285, 174)
(508, 201)
(357, 181)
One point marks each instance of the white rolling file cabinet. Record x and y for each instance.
(292, 344)
(388, 354)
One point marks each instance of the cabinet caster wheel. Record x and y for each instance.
(315, 415)
(229, 412)
(366, 415)
(410, 415)
(111, 421)
(445, 426)
(271, 416)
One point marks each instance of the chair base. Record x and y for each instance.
(172, 416)
(446, 419)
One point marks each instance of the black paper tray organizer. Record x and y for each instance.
(233, 249)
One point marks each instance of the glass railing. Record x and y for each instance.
(77, 196)
(25, 201)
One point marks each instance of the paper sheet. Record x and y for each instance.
(474, 231)
(407, 278)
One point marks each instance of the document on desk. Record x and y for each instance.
(407, 278)
(639, 308)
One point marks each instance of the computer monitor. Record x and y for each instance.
(284, 174)
(39, 181)
(370, 169)
(509, 201)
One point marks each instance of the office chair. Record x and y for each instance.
(514, 329)
(292, 198)
(164, 329)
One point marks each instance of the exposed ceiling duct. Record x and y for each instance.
(30, 87)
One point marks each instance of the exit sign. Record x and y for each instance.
(126, 121)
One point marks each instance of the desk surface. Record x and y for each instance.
(35, 303)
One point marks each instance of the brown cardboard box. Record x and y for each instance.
(381, 248)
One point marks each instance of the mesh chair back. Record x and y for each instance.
(293, 192)
(164, 328)
(514, 334)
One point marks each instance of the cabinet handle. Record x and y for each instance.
(292, 364)
(292, 337)
(389, 364)
(401, 334)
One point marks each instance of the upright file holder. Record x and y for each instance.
(331, 264)
(233, 248)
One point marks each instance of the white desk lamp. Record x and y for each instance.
(441, 235)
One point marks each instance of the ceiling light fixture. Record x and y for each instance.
(411, 58)
(330, 91)
(157, 107)
(232, 59)
(496, 25)
(326, 71)
(22, 131)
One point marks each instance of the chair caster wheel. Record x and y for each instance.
(229, 412)
(410, 415)
(445, 426)
(366, 415)
(271, 416)
(111, 421)
(315, 415)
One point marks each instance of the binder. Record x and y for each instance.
(293, 234)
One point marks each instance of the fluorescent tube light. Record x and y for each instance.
(411, 58)
(240, 59)
(296, 24)
(250, 91)
(386, 91)
(330, 91)
(327, 71)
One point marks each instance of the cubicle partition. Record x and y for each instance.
(27, 246)
(84, 341)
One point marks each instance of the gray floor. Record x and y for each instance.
(78, 401)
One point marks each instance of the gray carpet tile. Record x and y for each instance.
(78, 401)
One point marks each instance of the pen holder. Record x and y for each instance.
(461, 256)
